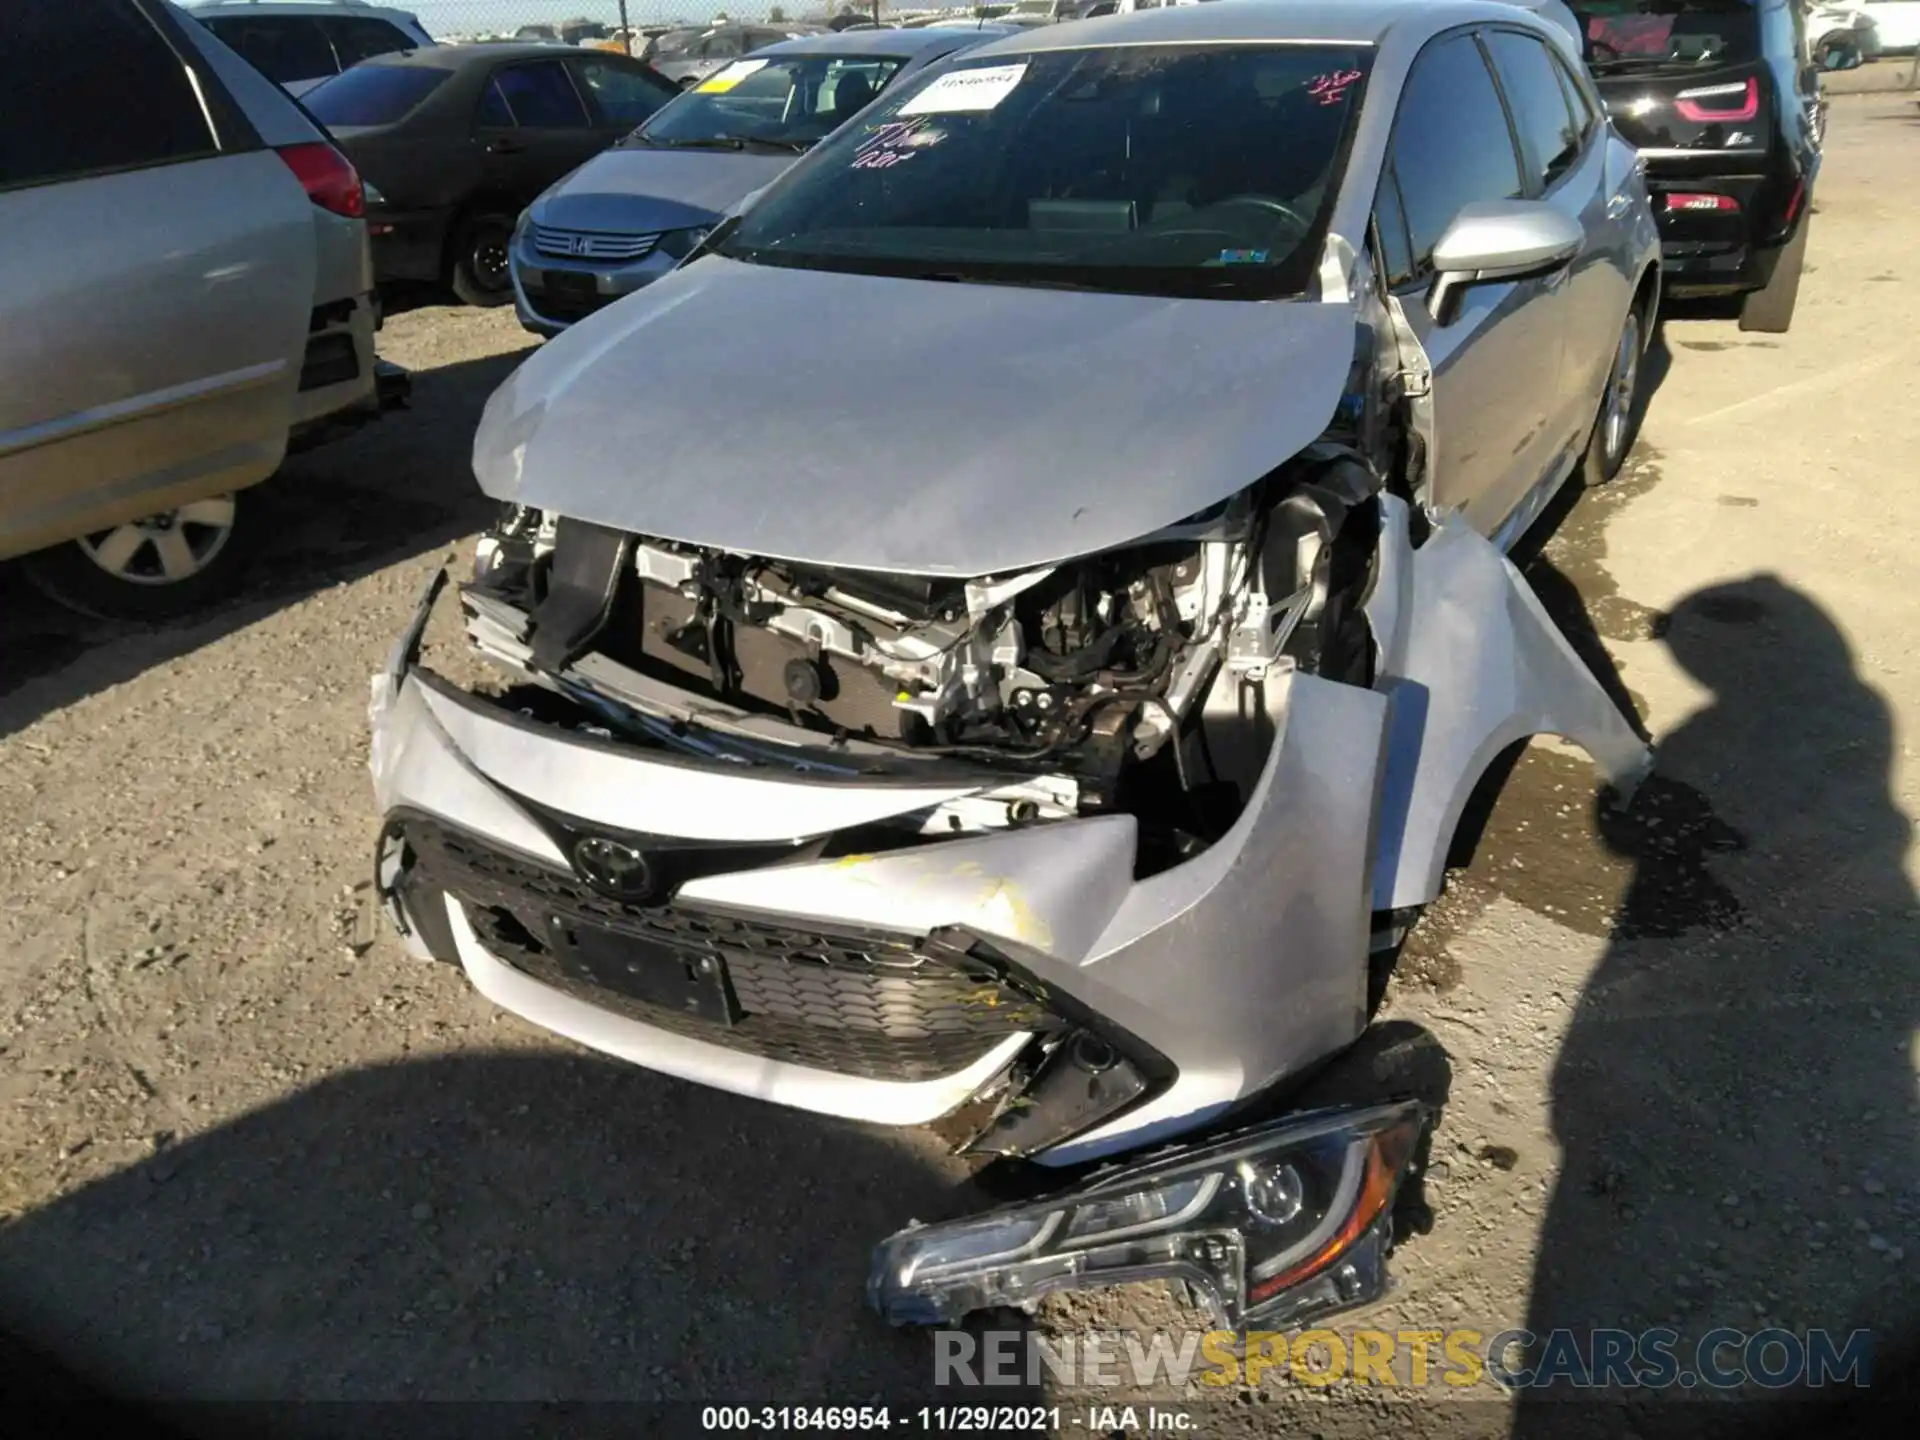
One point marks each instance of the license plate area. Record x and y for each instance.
(570, 285)
(644, 970)
(576, 956)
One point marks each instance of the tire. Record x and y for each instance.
(477, 268)
(1617, 425)
(1770, 311)
(122, 573)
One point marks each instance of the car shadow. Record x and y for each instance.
(531, 1227)
(399, 487)
(1734, 1097)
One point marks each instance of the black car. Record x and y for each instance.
(1718, 99)
(455, 141)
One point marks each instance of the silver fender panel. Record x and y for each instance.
(1470, 663)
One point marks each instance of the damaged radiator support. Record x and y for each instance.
(1076, 671)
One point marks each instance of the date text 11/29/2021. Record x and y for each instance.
(948, 1419)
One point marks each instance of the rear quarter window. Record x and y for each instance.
(360, 37)
(372, 94)
(284, 48)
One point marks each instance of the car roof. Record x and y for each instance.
(1363, 22)
(863, 42)
(458, 57)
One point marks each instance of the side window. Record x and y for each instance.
(358, 37)
(284, 48)
(625, 95)
(720, 47)
(90, 85)
(1578, 100)
(1390, 224)
(849, 86)
(1549, 136)
(493, 113)
(536, 96)
(1451, 145)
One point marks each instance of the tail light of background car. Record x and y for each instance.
(1683, 200)
(331, 183)
(1710, 104)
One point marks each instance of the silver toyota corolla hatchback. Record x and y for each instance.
(1013, 622)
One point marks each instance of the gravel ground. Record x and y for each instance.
(249, 1150)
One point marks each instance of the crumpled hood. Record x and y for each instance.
(916, 426)
(638, 190)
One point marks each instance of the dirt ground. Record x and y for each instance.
(249, 1150)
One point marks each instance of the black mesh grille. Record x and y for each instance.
(875, 1005)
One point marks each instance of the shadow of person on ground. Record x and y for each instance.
(401, 486)
(533, 1227)
(1735, 1096)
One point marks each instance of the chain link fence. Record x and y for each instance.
(630, 24)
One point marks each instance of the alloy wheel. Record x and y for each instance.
(167, 548)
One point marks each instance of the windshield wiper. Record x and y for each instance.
(734, 142)
(762, 142)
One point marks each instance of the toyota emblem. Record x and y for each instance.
(613, 868)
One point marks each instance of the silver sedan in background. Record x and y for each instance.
(635, 211)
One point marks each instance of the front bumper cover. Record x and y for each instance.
(1215, 979)
(1210, 979)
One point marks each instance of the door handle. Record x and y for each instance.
(504, 145)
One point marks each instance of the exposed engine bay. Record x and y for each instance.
(1089, 683)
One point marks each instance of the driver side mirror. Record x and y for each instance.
(1495, 240)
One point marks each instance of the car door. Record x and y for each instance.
(158, 275)
(1496, 361)
(1566, 168)
(533, 127)
(620, 93)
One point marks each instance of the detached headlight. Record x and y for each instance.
(678, 244)
(1272, 1226)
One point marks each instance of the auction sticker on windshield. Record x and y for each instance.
(731, 76)
(963, 90)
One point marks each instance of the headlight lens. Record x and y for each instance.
(1273, 1226)
(678, 244)
(524, 223)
